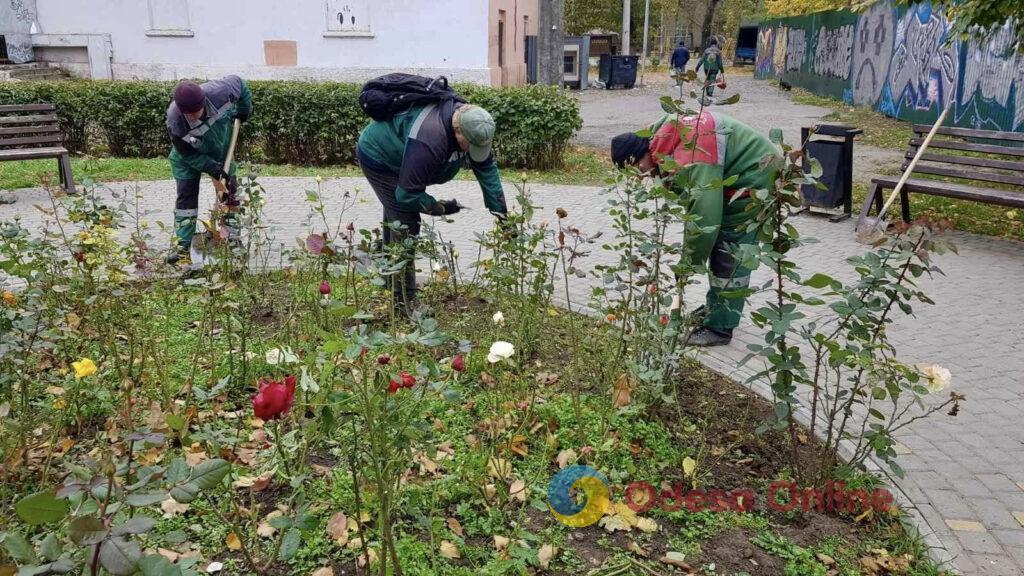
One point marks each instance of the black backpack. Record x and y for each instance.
(382, 98)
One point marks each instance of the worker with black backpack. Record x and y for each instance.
(423, 133)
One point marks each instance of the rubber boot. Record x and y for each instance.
(184, 230)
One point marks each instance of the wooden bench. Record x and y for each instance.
(972, 176)
(32, 132)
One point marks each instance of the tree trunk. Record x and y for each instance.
(709, 18)
(550, 42)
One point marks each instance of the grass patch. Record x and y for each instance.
(879, 130)
(582, 167)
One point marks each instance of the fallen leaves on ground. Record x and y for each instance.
(337, 528)
(677, 559)
(546, 554)
(449, 550)
(233, 542)
(565, 457)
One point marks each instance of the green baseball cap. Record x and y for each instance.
(477, 126)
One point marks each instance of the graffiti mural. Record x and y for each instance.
(796, 48)
(923, 67)
(901, 61)
(990, 70)
(873, 43)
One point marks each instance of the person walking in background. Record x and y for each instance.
(200, 120)
(711, 62)
(726, 150)
(424, 146)
(680, 57)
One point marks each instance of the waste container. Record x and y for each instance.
(617, 70)
(832, 146)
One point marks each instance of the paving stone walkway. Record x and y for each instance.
(964, 475)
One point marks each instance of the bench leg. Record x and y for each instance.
(874, 197)
(66, 179)
(905, 204)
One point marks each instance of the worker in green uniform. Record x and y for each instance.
(421, 147)
(725, 148)
(200, 121)
(711, 62)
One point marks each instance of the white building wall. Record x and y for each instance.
(210, 38)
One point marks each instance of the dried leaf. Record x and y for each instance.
(689, 466)
(517, 491)
(636, 549)
(545, 554)
(647, 525)
(501, 543)
(233, 541)
(325, 571)
(487, 380)
(449, 550)
(676, 559)
(337, 528)
(615, 522)
(455, 527)
(565, 457)
(262, 481)
(172, 507)
(622, 392)
(499, 468)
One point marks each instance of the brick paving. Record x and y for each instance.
(964, 476)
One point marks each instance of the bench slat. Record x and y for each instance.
(31, 140)
(41, 107)
(35, 119)
(19, 130)
(963, 160)
(970, 175)
(32, 153)
(959, 191)
(971, 133)
(969, 147)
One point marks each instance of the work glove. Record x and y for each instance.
(216, 170)
(445, 208)
(242, 117)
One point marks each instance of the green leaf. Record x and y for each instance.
(19, 548)
(50, 547)
(41, 508)
(136, 525)
(119, 556)
(209, 473)
(141, 499)
(175, 422)
(290, 544)
(157, 565)
(819, 281)
(87, 530)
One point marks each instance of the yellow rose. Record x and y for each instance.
(83, 368)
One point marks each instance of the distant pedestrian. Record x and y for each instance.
(680, 57)
(711, 61)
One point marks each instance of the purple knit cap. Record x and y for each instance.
(189, 97)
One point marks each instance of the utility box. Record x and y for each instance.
(832, 146)
(618, 70)
(576, 64)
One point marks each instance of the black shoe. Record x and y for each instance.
(706, 337)
(176, 255)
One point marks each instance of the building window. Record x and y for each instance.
(348, 18)
(169, 18)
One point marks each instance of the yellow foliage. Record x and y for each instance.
(775, 8)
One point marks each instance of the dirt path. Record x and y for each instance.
(763, 106)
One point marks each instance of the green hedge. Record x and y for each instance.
(295, 122)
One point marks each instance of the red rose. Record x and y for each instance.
(274, 398)
(663, 320)
(459, 363)
(393, 387)
(383, 359)
(325, 288)
(80, 256)
(408, 380)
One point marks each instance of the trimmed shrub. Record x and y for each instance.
(294, 122)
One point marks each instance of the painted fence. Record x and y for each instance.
(898, 60)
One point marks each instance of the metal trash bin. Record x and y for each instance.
(617, 70)
(832, 146)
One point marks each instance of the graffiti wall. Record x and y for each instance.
(897, 59)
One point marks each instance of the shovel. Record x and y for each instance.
(222, 185)
(870, 229)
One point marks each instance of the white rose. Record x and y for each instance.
(936, 378)
(498, 318)
(500, 351)
(277, 356)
